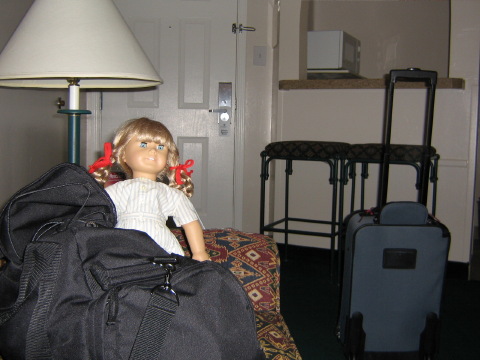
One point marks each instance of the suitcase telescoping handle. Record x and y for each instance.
(417, 75)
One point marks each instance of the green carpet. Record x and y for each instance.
(310, 301)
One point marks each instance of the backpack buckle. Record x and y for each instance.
(168, 264)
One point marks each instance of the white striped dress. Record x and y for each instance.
(145, 205)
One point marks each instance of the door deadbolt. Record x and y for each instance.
(224, 109)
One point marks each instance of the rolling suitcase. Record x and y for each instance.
(394, 264)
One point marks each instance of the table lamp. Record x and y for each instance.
(73, 43)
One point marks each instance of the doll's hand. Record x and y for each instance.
(194, 233)
(201, 256)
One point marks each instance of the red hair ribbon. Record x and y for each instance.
(182, 167)
(103, 161)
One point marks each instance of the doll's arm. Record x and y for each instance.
(194, 233)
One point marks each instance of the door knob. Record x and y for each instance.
(224, 116)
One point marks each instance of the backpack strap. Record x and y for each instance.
(155, 324)
(41, 268)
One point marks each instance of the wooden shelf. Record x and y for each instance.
(443, 83)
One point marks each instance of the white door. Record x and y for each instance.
(193, 48)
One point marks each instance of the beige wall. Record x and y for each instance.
(35, 135)
(292, 65)
(357, 115)
(32, 135)
(465, 62)
(393, 34)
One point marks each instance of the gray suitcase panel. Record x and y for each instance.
(395, 300)
(393, 275)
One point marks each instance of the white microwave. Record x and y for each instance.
(333, 51)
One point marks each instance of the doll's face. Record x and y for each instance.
(146, 159)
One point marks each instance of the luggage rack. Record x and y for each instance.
(401, 154)
(342, 159)
(330, 153)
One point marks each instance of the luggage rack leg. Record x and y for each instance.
(432, 170)
(288, 172)
(286, 226)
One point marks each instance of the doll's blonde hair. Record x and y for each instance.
(144, 129)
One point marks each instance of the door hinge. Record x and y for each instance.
(241, 28)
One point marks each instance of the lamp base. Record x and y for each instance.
(74, 133)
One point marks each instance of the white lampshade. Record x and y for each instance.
(83, 39)
(73, 43)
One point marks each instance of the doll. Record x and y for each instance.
(145, 150)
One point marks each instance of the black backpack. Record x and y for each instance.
(74, 287)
